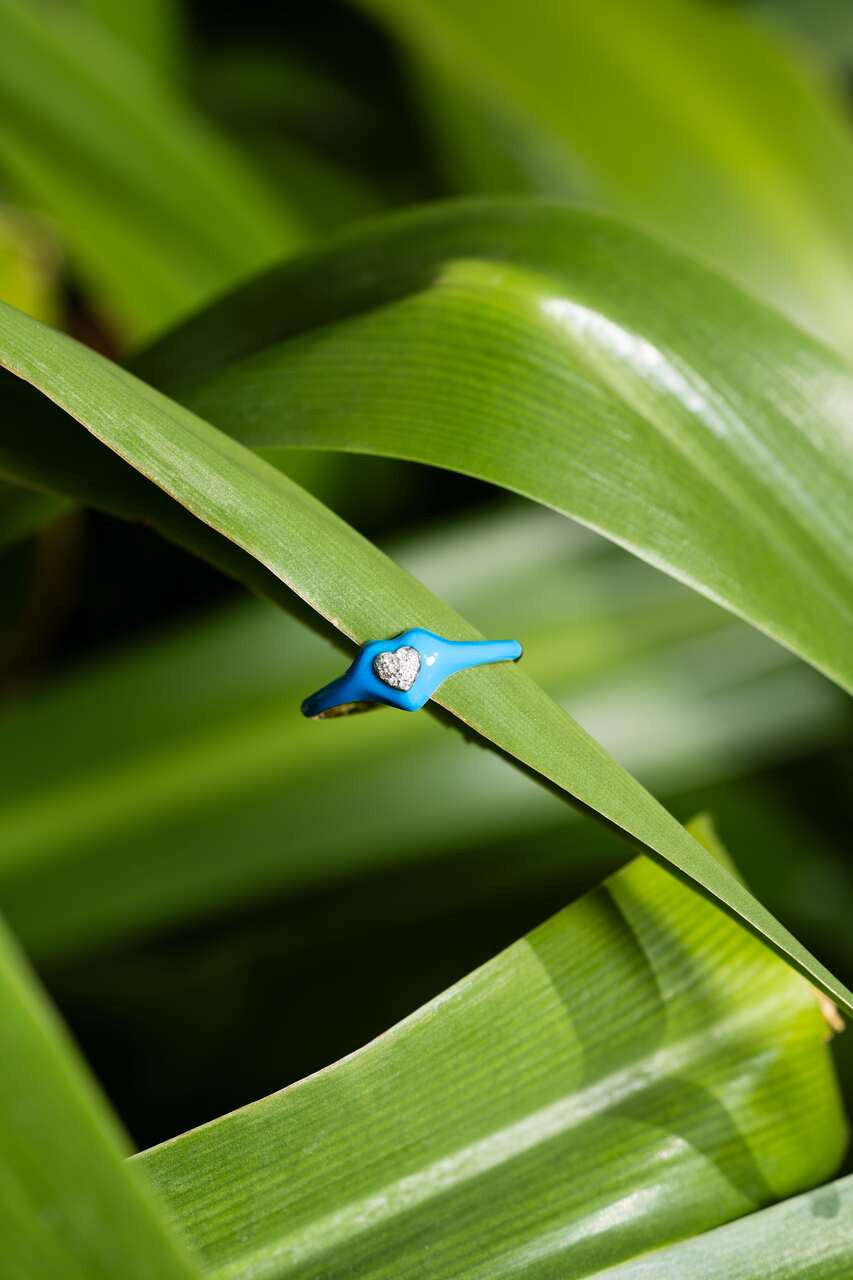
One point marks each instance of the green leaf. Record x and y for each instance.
(806, 1238)
(679, 115)
(23, 512)
(361, 592)
(327, 194)
(273, 86)
(155, 209)
(139, 828)
(70, 1204)
(151, 27)
(29, 266)
(825, 24)
(601, 1088)
(575, 362)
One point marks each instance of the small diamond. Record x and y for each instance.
(398, 668)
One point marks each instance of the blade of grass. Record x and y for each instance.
(601, 1088)
(363, 594)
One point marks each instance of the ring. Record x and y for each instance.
(404, 671)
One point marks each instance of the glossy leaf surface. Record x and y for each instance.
(570, 360)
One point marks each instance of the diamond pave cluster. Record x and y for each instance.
(398, 668)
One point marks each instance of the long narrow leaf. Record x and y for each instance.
(575, 362)
(363, 594)
(70, 1205)
(676, 114)
(809, 1237)
(599, 1089)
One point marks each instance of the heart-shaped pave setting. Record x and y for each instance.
(398, 668)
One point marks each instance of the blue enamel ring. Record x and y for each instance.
(405, 671)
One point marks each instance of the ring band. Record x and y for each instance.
(404, 671)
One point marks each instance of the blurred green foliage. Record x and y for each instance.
(220, 899)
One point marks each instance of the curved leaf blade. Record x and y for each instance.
(678, 115)
(806, 1238)
(570, 360)
(363, 594)
(71, 1205)
(600, 1088)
